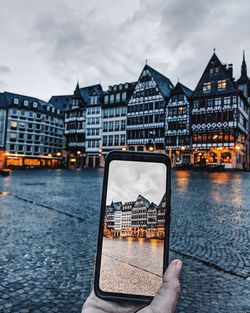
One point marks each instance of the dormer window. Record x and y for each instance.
(16, 101)
(26, 103)
(53, 109)
(115, 88)
(211, 71)
(126, 85)
(48, 107)
(58, 111)
(34, 104)
(206, 86)
(120, 86)
(222, 84)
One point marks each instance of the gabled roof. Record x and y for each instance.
(61, 102)
(88, 91)
(152, 206)
(7, 98)
(163, 83)
(145, 201)
(223, 73)
(180, 89)
(163, 202)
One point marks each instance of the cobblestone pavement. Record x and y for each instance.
(48, 229)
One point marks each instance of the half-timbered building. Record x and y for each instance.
(219, 113)
(177, 123)
(146, 111)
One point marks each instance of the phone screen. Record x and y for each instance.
(134, 228)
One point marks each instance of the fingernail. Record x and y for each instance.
(178, 265)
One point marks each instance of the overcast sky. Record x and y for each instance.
(47, 45)
(128, 179)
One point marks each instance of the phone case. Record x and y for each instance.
(131, 156)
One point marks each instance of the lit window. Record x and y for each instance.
(222, 84)
(13, 124)
(207, 86)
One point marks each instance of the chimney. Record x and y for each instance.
(230, 69)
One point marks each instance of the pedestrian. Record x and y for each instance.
(165, 300)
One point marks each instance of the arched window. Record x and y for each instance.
(226, 157)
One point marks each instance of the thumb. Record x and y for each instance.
(167, 297)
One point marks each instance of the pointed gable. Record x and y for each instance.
(163, 84)
(141, 199)
(163, 202)
(180, 89)
(208, 85)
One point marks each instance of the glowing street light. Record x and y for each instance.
(124, 149)
(183, 148)
(58, 154)
(78, 152)
(49, 155)
(151, 148)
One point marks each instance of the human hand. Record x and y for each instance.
(165, 300)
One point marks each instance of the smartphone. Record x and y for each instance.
(133, 240)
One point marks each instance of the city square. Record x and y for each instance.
(49, 222)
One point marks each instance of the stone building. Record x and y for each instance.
(31, 132)
(114, 116)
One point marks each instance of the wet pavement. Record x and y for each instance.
(48, 230)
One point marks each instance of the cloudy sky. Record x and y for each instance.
(47, 45)
(128, 179)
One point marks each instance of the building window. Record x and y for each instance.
(210, 103)
(217, 102)
(118, 97)
(123, 124)
(196, 104)
(26, 103)
(13, 125)
(16, 101)
(112, 98)
(227, 100)
(104, 142)
(14, 111)
(35, 104)
(222, 84)
(206, 86)
(110, 143)
(116, 140)
(123, 140)
(124, 95)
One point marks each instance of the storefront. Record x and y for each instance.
(32, 162)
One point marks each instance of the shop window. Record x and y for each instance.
(226, 157)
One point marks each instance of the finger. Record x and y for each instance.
(168, 295)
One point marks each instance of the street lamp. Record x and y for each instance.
(183, 148)
(49, 155)
(58, 154)
(151, 148)
(124, 149)
(78, 152)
